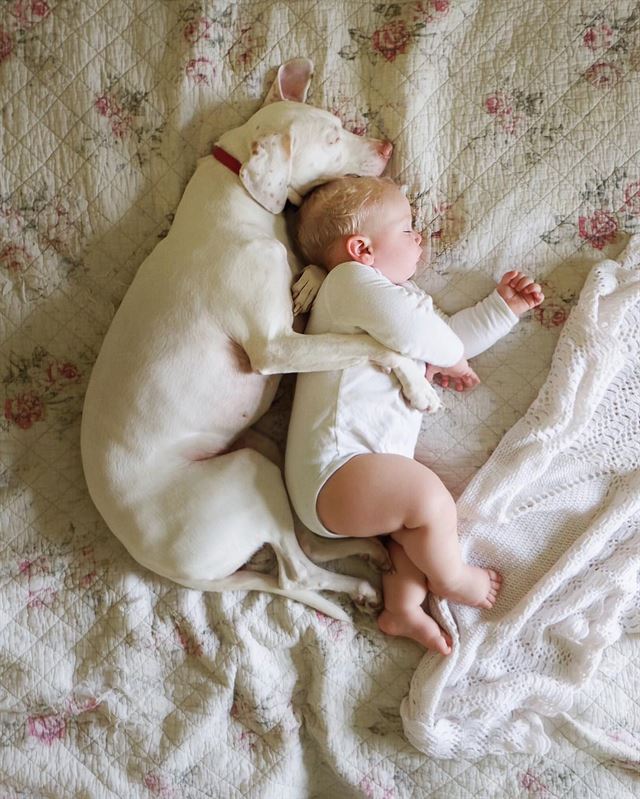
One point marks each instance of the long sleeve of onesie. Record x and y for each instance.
(399, 316)
(402, 317)
(480, 326)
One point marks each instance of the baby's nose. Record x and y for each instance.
(418, 236)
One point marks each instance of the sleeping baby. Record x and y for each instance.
(350, 469)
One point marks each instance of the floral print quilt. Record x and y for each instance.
(516, 132)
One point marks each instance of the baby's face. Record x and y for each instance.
(396, 245)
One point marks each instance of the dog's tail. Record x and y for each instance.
(247, 580)
(315, 601)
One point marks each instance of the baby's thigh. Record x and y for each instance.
(375, 494)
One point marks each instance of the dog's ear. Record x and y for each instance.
(266, 174)
(292, 81)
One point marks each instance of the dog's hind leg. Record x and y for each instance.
(297, 570)
(322, 550)
(208, 517)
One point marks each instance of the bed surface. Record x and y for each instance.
(516, 131)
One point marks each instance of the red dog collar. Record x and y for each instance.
(225, 158)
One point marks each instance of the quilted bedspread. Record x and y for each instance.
(516, 129)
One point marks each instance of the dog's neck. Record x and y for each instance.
(237, 143)
(226, 159)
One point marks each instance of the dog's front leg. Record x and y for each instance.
(297, 352)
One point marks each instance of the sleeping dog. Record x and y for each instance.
(193, 355)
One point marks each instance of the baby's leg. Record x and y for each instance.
(375, 494)
(405, 589)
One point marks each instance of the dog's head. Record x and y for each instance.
(288, 147)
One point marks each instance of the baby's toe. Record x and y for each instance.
(495, 582)
(495, 579)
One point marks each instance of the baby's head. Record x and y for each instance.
(361, 219)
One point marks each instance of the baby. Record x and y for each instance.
(350, 469)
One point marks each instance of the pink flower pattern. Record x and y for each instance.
(612, 38)
(250, 43)
(550, 314)
(511, 109)
(7, 45)
(618, 198)
(24, 409)
(34, 384)
(14, 258)
(47, 729)
(20, 19)
(598, 229)
(120, 121)
(399, 28)
(28, 13)
(200, 71)
(603, 75)
(199, 30)
(598, 37)
(391, 39)
(159, 785)
(534, 785)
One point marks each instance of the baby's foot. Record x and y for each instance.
(477, 587)
(416, 625)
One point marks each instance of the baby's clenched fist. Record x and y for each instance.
(520, 292)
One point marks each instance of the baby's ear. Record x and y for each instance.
(267, 172)
(359, 248)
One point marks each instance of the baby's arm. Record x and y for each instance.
(399, 317)
(482, 325)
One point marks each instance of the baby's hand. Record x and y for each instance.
(519, 292)
(459, 376)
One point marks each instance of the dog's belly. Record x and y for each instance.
(239, 397)
(151, 407)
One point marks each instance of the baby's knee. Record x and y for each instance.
(433, 503)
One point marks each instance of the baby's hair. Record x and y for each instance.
(335, 209)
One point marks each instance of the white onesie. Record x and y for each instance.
(348, 412)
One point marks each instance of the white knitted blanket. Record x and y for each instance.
(557, 510)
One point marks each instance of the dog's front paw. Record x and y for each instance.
(417, 390)
(306, 287)
(424, 398)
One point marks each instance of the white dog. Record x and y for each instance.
(192, 357)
